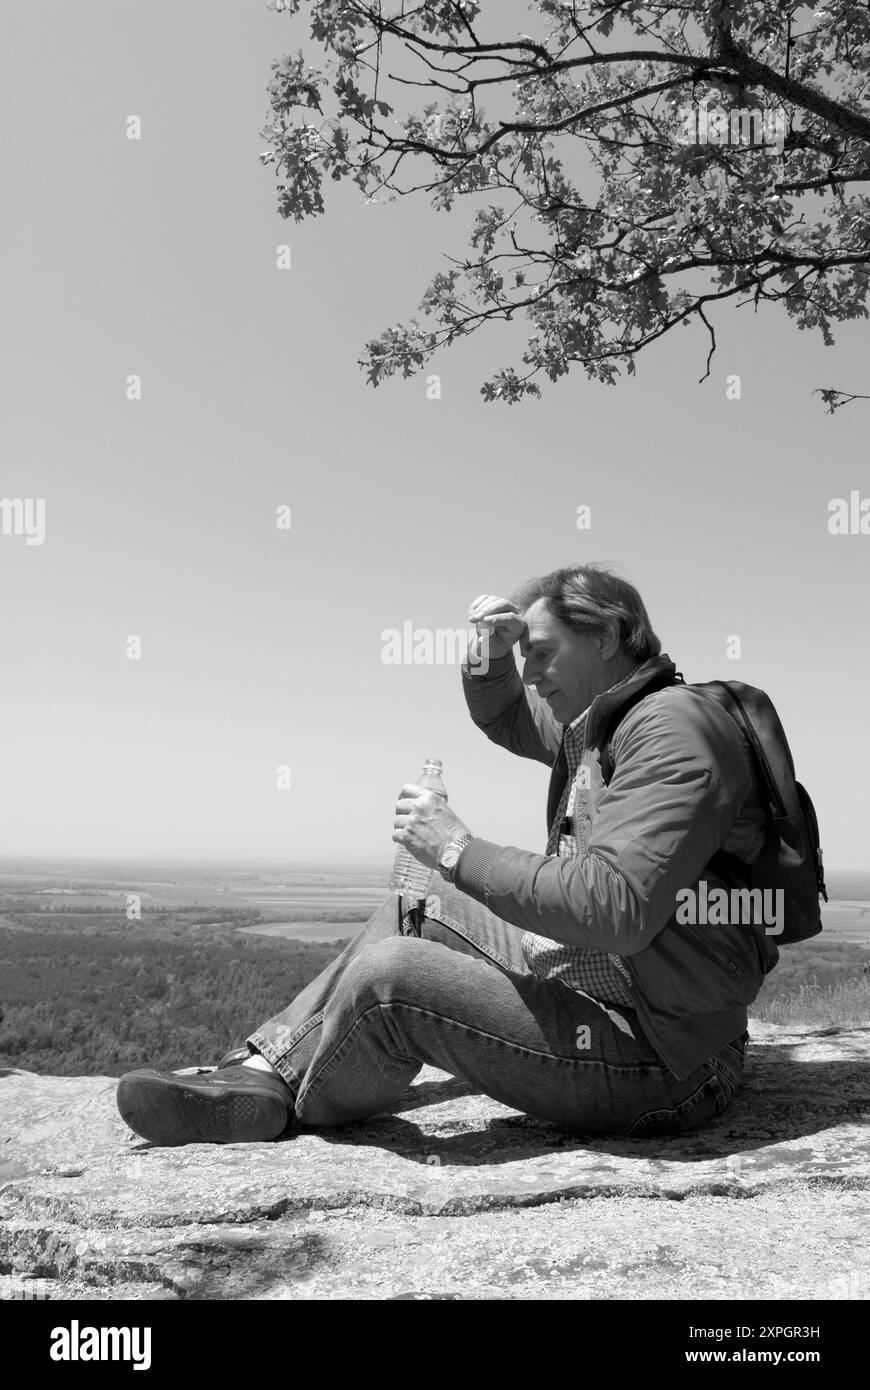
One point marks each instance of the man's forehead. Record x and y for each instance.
(540, 623)
(539, 628)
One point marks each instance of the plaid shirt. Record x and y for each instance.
(603, 976)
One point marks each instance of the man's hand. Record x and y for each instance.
(500, 620)
(424, 823)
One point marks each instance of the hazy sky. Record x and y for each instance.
(263, 647)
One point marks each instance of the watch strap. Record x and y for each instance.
(457, 843)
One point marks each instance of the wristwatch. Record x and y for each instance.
(449, 856)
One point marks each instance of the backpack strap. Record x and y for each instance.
(763, 756)
(605, 755)
(728, 866)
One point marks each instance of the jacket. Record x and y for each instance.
(683, 786)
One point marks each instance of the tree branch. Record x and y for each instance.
(756, 74)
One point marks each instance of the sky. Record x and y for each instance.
(262, 648)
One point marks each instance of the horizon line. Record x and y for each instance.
(233, 861)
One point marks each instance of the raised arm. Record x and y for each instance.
(509, 712)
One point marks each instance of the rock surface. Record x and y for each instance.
(454, 1197)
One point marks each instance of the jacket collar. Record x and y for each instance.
(655, 673)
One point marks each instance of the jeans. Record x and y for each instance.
(447, 985)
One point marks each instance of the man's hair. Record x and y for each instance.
(586, 597)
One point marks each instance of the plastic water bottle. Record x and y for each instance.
(409, 876)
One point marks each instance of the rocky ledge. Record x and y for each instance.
(452, 1197)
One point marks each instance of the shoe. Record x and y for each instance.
(234, 1058)
(237, 1105)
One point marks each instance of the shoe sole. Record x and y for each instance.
(168, 1111)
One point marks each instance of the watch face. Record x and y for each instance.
(451, 853)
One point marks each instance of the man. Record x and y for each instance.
(560, 983)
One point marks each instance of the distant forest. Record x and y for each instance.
(86, 993)
(102, 1003)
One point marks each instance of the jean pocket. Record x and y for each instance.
(705, 1103)
(728, 1066)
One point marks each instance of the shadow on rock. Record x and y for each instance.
(782, 1099)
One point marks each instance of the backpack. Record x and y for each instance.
(791, 857)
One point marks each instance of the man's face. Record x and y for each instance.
(565, 666)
